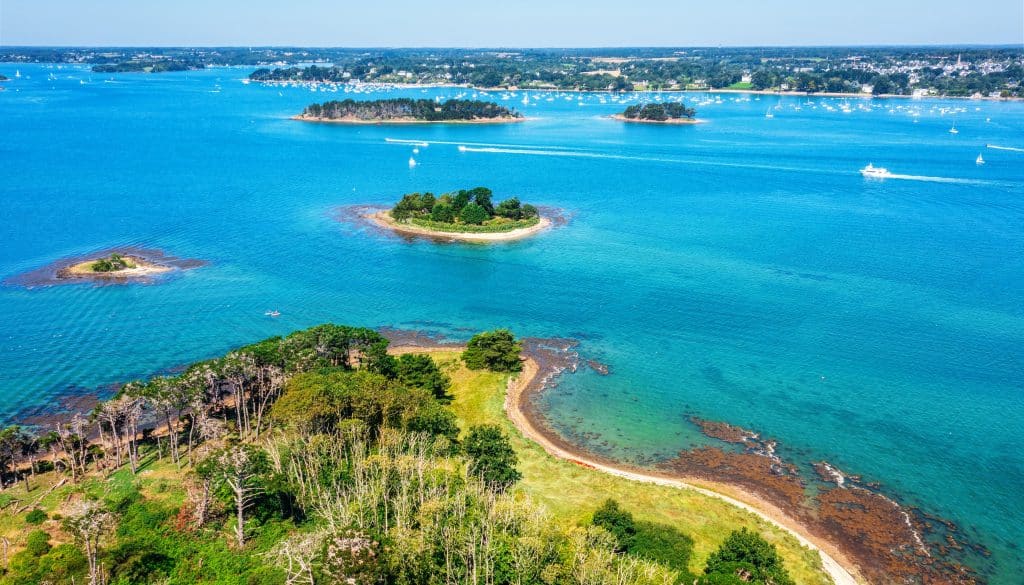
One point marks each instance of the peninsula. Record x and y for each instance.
(671, 113)
(467, 215)
(409, 111)
(337, 453)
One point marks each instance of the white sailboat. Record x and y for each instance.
(412, 162)
(953, 130)
(768, 114)
(980, 160)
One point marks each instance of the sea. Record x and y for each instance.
(738, 270)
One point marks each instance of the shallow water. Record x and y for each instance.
(739, 270)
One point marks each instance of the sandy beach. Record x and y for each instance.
(668, 122)
(402, 121)
(384, 220)
(139, 268)
(834, 562)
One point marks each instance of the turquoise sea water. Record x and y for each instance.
(740, 270)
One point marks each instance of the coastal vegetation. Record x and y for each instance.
(309, 459)
(408, 110)
(466, 210)
(115, 265)
(112, 263)
(659, 112)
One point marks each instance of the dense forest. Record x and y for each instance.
(466, 209)
(409, 109)
(318, 458)
(659, 112)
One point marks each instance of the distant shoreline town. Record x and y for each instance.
(978, 72)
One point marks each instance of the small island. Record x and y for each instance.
(467, 215)
(3, 77)
(671, 113)
(148, 66)
(115, 265)
(409, 111)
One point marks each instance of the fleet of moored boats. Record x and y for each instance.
(531, 97)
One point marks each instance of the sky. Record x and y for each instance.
(519, 23)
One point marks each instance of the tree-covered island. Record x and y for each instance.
(405, 110)
(670, 113)
(467, 214)
(148, 66)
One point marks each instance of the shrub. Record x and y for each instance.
(616, 521)
(37, 543)
(35, 517)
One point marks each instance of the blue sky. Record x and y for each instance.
(520, 23)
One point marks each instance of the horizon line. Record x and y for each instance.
(994, 45)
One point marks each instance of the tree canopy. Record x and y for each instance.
(491, 456)
(409, 109)
(659, 112)
(496, 350)
(466, 207)
(748, 557)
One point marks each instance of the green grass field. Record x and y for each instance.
(571, 493)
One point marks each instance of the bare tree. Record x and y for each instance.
(298, 555)
(74, 443)
(241, 468)
(87, 523)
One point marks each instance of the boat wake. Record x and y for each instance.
(936, 179)
(1009, 148)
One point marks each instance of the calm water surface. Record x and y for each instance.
(739, 270)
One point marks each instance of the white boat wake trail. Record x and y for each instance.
(936, 179)
(599, 155)
(591, 155)
(1009, 148)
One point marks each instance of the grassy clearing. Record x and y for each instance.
(742, 85)
(572, 492)
(486, 228)
(158, 481)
